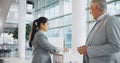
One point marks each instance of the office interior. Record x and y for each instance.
(68, 19)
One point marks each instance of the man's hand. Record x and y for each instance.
(82, 50)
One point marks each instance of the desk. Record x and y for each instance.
(58, 58)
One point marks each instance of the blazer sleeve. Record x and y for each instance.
(113, 43)
(44, 43)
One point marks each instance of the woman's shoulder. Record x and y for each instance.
(39, 33)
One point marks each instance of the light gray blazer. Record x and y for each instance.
(42, 48)
(103, 43)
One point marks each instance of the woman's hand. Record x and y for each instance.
(65, 50)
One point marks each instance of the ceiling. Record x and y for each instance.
(4, 8)
(9, 14)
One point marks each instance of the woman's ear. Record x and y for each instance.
(41, 25)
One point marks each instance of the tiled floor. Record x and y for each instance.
(15, 60)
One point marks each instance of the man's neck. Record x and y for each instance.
(99, 14)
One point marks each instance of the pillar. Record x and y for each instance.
(22, 29)
(78, 25)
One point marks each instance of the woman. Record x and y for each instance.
(40, 43)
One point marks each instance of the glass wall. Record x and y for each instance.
(114, 8)
(67, 6)
(59, 14)
(52, 11)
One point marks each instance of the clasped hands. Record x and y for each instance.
(82, 50)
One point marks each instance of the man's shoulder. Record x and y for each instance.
(111, 18)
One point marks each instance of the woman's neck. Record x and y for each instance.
(41, 30)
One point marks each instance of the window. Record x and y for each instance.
(114, 8)
(59, 24)
(67, 6)
(52, 11)
(67, 36)
(54, 23)
(48, 1)
(53, 33)
(56, 10)
(47, 12)
(38, 4)
(67, 20)
(39, 13)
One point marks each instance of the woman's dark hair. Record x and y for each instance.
(35, 27)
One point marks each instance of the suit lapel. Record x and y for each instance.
(94, 30)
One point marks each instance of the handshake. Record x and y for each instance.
(65, 50)
(60, 50)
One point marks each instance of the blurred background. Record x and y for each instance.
(69, 19)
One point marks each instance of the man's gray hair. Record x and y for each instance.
(101, 3)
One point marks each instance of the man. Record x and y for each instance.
(103, 42)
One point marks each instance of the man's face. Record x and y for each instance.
(94, 11)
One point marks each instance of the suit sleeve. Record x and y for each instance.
(113, 43)
(44, 43)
